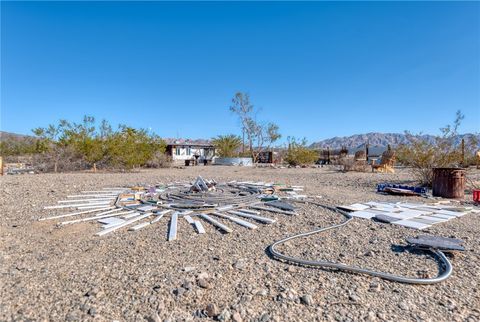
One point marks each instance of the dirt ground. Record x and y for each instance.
(66, 273)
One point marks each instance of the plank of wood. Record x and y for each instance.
(139, 226)
(273, 210)
(264, 220)
(248, 211)
(172, 232)
(93, 196)
(131, 215)
(126, 223)
(94, 206)
(188, 219)
(199, 227)
(159, 216)
(77, 205)
(86, 200)
(93, 218)
(110, 220)
(238, 221)
(103, 191)
(216, 223)
(411, 224)
(76, 213)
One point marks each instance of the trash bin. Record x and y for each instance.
(448, 183)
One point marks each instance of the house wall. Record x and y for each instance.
(189, 152)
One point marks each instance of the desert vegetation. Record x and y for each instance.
(67, 146)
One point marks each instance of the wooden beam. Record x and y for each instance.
(128, 222)
(198, 225)
(139, 226)
(76, 213)
(236, 220)
(172, 232)
(273, 210)
(94, 218)
(216, 223)
(159, 216)
(264, 220)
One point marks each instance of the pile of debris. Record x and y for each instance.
(141, 206)
(413, 215)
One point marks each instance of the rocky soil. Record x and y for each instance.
(66, 273)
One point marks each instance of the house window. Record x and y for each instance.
(189, 152)
(177, 151)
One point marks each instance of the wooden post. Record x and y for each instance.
(366, 151)
(1, 166)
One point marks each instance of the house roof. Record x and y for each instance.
(196, 142)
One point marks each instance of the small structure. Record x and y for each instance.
(190, 151)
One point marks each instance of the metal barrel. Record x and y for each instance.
(449, 183)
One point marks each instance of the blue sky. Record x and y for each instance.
(317, 69)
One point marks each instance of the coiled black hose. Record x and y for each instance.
(302, 262)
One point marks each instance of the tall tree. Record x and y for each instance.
(260, 136)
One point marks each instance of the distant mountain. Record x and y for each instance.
(13, 136)
(376, 139)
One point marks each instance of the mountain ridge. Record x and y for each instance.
(379, 139)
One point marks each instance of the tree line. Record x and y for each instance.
(71, 146)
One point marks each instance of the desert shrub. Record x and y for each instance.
(129, 147)
(299, 154)
(423, 156)
(350, 164)
(159, 160)
(70, 146)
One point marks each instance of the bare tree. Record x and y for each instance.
(260, 136)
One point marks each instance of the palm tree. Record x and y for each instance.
(227, 145)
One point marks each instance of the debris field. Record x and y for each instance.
(54, 271)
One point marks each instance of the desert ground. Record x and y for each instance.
(68, 274)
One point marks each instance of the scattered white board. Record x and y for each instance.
(411, 224)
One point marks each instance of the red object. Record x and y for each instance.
(476, 195)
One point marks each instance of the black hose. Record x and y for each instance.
(302, 262)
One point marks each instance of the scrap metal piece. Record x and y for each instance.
(281, 205)
(436, 242)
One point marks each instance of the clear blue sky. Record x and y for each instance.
(317, 69)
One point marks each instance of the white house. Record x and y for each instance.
(181, 150)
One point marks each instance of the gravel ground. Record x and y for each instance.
(58, 274)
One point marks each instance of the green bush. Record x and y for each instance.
(423, 156)
(87, 144)
(299, 154)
